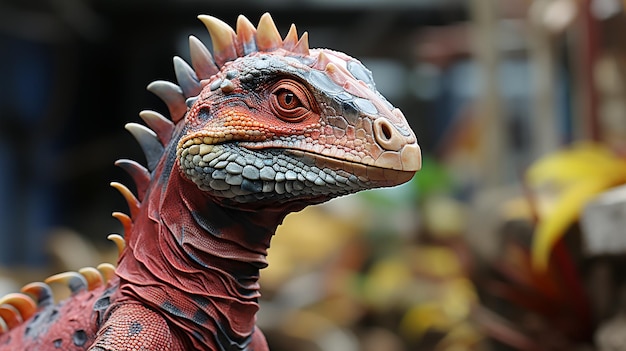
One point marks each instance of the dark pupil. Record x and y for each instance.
(289, 98)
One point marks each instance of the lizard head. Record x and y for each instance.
(271, 120)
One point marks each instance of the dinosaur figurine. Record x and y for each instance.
(262, 127)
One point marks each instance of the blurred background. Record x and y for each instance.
(511, 237)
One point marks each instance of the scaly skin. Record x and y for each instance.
(263, 128)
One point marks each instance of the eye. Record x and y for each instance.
(290, 101)
(287, 100)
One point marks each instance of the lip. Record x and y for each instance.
(378, 176)
(367, 173)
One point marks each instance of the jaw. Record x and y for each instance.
(244, 175)
(372, 176)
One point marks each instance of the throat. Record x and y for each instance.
(198, 261)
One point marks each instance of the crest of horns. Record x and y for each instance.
(228, 44)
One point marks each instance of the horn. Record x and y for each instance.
(302, 46)
(149, 143)
(291, 39)
(267, 35)
(186, 77)
(245, 36)
(41, 292)
(138, 173)
(223, 38)
(75, 281)
(173, 97)
(201, 59)
(162, 126)
(92, 276)
(131, 200)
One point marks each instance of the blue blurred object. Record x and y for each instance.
(26, 199)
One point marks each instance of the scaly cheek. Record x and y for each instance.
(267, 123)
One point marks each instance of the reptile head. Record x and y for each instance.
(271, 119)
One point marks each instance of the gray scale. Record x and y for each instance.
(228, 178)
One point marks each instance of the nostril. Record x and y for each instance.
(387, 136)
(386, 132)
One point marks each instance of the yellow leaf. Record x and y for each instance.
(581, 161)
(551, 228)
(562, 184)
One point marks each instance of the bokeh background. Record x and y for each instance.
(511, 237)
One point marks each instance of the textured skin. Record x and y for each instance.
(263, 128)
(71, 325)
(135, 327)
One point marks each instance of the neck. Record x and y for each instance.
(198, 260)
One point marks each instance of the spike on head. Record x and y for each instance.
(291, 39)
(162, 126)
(267, 36)
(322, 61)
(223, 38)
(186, 77)
(302, 46)
(339, 75)
(173, 97)
(201, 59)
(245, 36)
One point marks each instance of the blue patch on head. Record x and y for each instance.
(366, 106)
(361, 73)
(322, 82)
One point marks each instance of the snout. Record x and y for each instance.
(401, 152)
